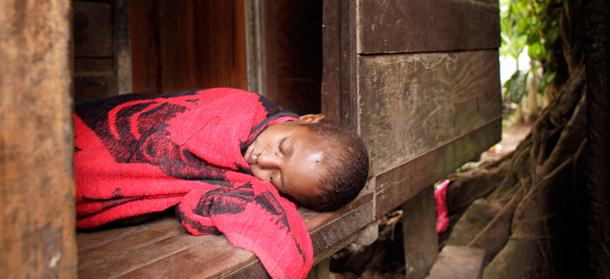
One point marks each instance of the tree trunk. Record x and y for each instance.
(547, 204)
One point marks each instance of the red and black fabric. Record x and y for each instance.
(139, 153)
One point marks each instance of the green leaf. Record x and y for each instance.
(536, 51)
(552, 35)
(516, 86)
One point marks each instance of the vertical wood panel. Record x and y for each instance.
(37, 238)
(187, 44)
(420, 240)
(339, 78)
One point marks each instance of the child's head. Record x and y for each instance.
(316, 163)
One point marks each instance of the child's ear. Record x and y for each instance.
(312, 118)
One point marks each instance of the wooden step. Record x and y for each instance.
(458, 262)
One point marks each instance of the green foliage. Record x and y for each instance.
(516, 86)
(535, 24)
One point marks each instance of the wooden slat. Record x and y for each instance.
(166, 228)
(92, 239)
(162, 248)
(338, 91)
(392, 26)
(210, 258)
(137, 257)
(413, 103)
(36, 141)
(403, 182)
(420, 240)
(122, 46)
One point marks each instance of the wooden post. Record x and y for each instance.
(37, 232)
(419, 234)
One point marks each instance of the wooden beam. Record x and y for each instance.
(420, 241)
(398, 26)
(37, 237)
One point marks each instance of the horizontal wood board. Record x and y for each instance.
(162, 248)
(404, 182)
(93, 79)
(412, 103)
(392, 26)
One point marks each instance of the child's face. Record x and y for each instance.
(288, 156)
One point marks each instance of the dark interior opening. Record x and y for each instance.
(187, 44)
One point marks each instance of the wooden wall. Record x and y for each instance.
(94, 72)
(429, 90)
(419, 80)
(37, 235)
(187, 44)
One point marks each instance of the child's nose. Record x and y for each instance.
(268, 160)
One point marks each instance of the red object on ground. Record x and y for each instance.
(440, 196)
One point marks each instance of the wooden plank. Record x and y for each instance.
(37, 238)
(162, 247)
(412, 103)
(93, 79)
(402, 183)
(139, 256)
(211, 258)
(92, 25)
(458, 262)
(420, 240)
(122, 47)
(399, 26)
(339, 72)
(127, 241)
(91, 239)
(331, 57)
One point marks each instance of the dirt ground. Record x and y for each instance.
(384, 259)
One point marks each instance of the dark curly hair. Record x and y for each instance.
(347, 167)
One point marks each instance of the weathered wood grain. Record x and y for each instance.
(37, 238)
(398, 26)
(162, 248)
(420, 240)
(339, 69)
(91, 239)
(400, 184)
(122, 46)
(187, 44)
(411, 104)
(165, 229)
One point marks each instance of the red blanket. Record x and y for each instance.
(137, 154)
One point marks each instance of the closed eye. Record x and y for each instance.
(280, 146)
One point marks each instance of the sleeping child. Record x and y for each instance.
(229, 161)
